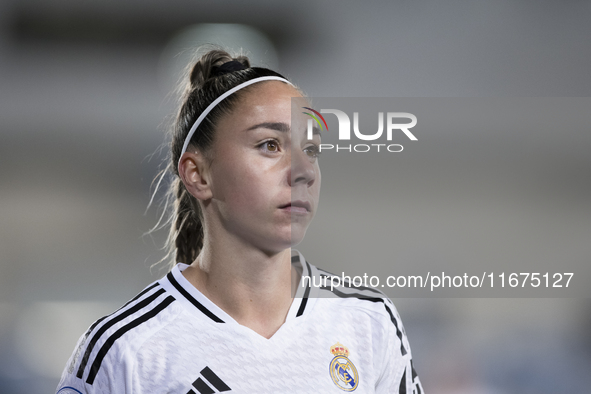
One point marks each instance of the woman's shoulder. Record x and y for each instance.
(340, 292)
(117, 335)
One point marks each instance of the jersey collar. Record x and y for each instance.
(194, 301)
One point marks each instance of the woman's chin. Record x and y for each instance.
(284, 243)
(297, 236)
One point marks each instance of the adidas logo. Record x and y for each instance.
(204, 386)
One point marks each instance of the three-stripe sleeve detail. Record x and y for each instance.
(96, 323)
(109, 324)
(120, 332)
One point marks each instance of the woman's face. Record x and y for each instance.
(265, 179)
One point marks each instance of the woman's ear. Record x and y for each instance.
(193, 170)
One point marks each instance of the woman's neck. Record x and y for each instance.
(253, 287)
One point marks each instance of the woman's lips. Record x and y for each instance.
(298, 207)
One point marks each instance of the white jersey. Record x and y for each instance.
(171, 339)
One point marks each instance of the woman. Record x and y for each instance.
(227, 317)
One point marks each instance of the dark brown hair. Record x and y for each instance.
(206, 81)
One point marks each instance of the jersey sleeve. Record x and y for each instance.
(69, 383)
(398, 375)
(80, 376)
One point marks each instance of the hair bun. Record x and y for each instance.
(227, 67)
(215, 63)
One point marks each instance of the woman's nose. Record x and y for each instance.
(302, 170)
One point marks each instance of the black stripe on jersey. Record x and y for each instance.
(214, 379)
(417, 385)
(117, 334)
(202, 387)
(373, 299)
(402, 387)
(193, 301)
(92, 327)
(398, 332)
(306, 293)
(109, 324)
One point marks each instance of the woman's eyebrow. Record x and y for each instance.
(279, 126)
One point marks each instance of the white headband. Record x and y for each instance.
(219, 100)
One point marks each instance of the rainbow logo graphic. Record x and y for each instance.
(315, 116)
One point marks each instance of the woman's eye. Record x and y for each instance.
(270, 146)
(312, 151)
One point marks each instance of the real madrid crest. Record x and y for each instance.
(342, 371)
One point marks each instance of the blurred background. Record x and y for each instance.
(86, 93)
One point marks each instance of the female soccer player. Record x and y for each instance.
(227, 317)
